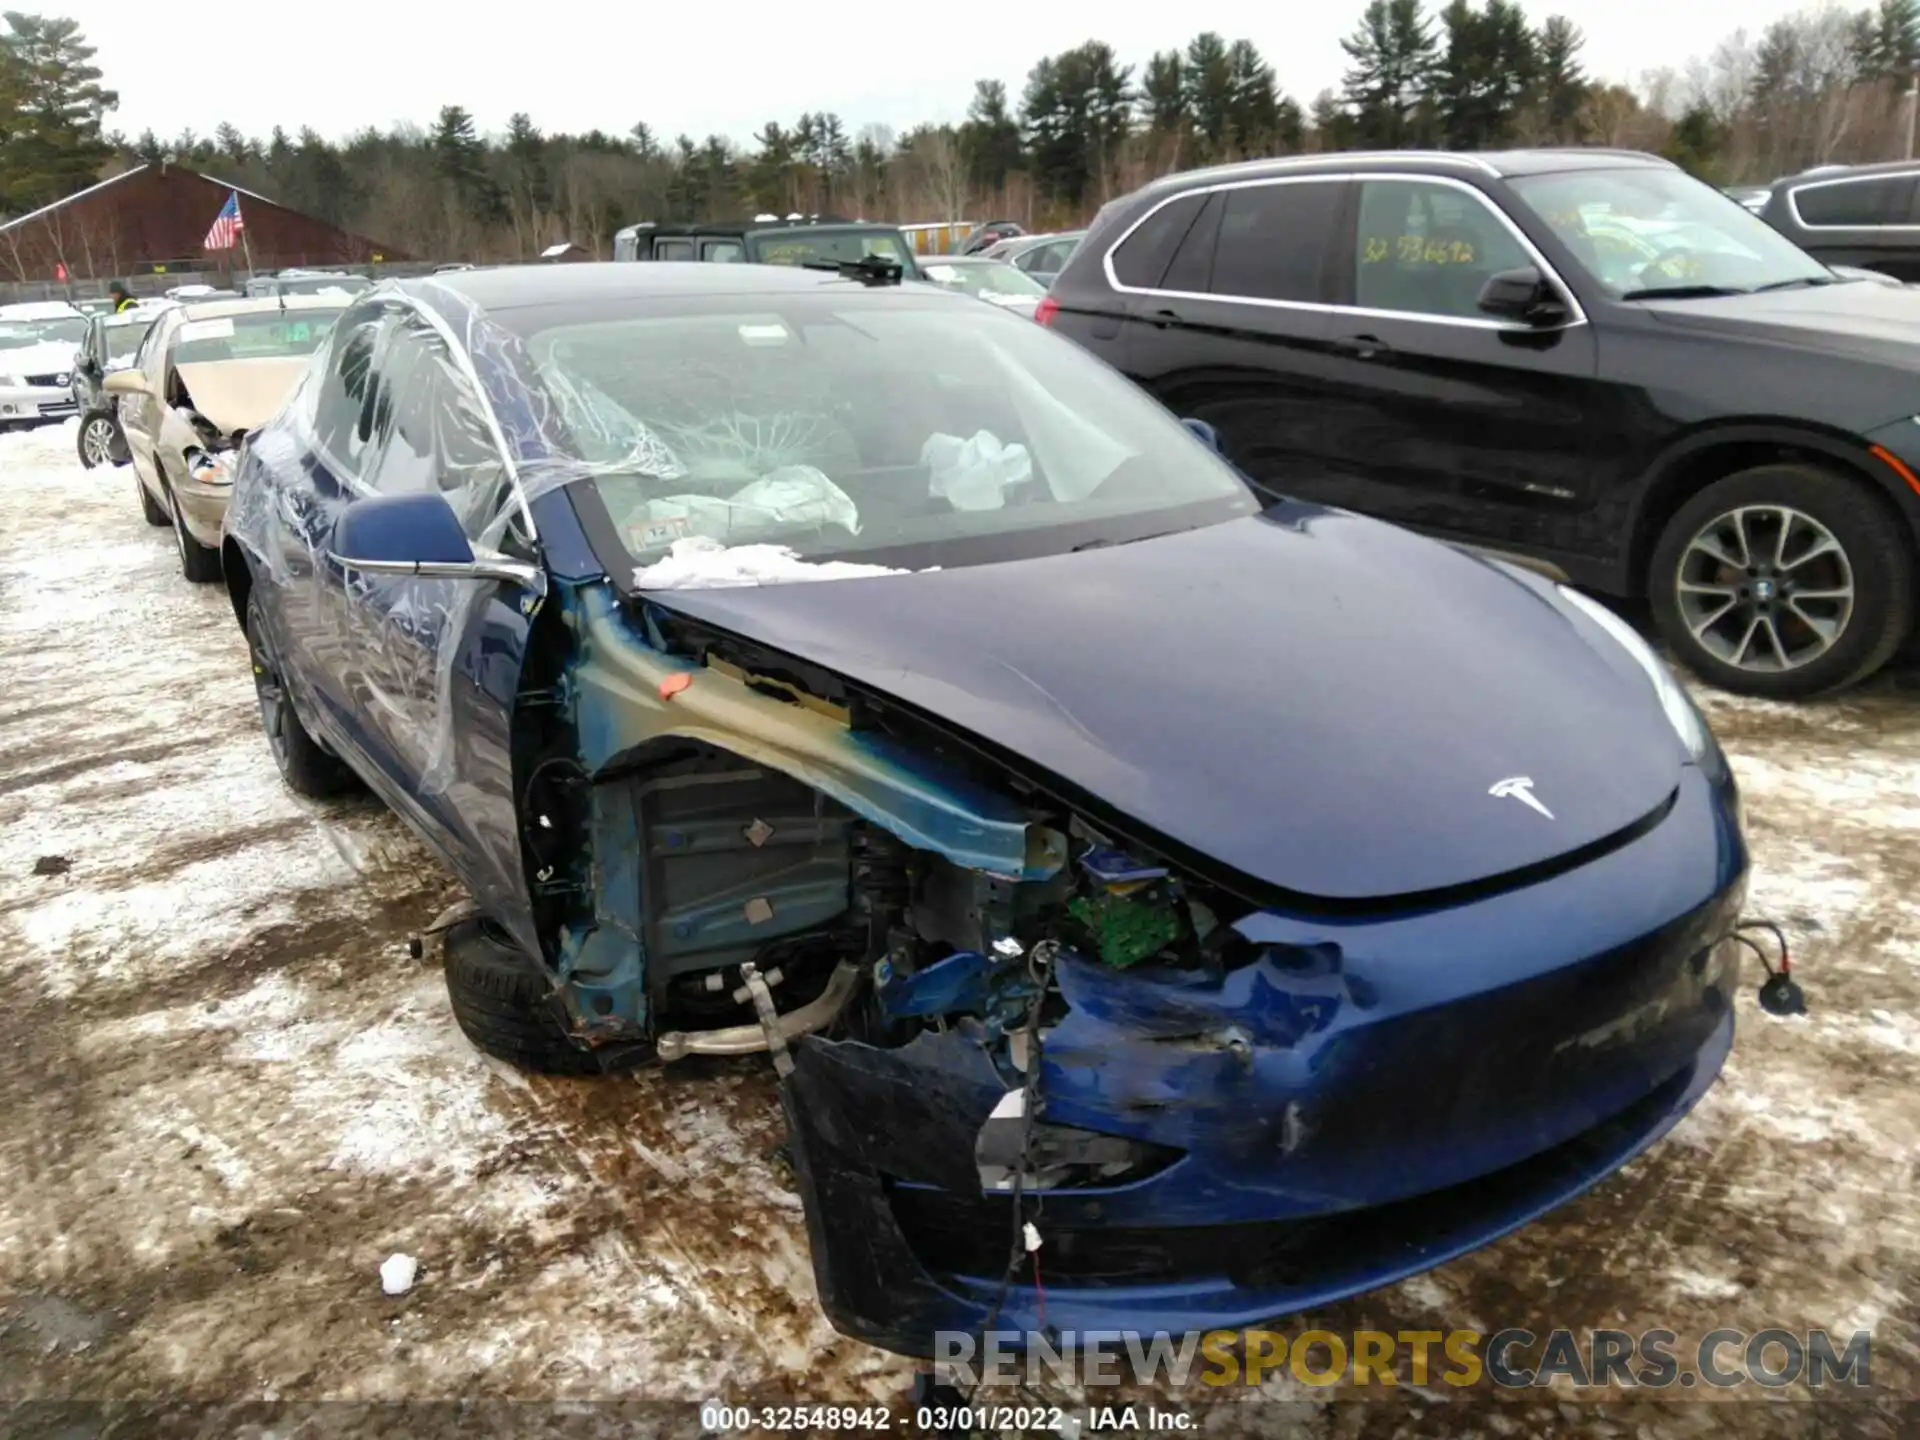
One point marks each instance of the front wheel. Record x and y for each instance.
(98, 442)
(199, 563)
(152, 509)
(1783, 581)
(504, 1003)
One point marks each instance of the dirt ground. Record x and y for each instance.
(227, 1094)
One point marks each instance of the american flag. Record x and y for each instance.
(227, 225)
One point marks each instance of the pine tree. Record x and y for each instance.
(720, 174)
(1562, 81)
(52, 107)
(1888, 40)
(1163, 94)
(1207, 76)
(234, 147)
(1487, 64)
(1078, 111)
(1393, 51)
(770, 177)
(460, 157)
(1256, 116)
(687, 189)
(526, 165)
(328, 190)
(990, 138)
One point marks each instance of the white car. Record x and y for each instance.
(38, 343)
(207, 373)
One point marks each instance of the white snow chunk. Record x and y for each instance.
(397, 1272)
(701, 563)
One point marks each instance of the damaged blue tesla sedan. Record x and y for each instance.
(1260, 902)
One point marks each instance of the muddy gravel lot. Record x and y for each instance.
(227, 1094)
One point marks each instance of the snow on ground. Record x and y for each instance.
(229, 1095)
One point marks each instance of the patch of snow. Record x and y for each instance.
(1703, 1287)
(397, 1273)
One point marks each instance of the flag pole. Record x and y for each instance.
(246, 245)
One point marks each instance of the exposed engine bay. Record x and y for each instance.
(203, 449)
(743, 866)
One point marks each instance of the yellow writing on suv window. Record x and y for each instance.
(1415, 250)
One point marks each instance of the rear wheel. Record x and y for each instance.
(306, 768)
(97, 440)
(504, 1003)
(1784, 581)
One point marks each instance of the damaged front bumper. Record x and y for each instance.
(204, 493)
(1362, 1102)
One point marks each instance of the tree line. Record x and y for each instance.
(1827, 85)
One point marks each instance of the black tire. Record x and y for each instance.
(1873, 553)
(155, 512)
(504, 1003)
(199, 563)
(97, 440)
(307, 769)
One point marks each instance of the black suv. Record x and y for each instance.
(1860, 215)
(1585, 359)
(796, 240)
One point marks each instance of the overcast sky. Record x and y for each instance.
(723, 68)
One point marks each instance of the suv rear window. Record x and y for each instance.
(798, 247)
(1141, 261)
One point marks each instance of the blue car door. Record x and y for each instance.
(309, 490)
(435, 663)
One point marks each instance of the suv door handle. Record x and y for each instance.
(1361, 347)
(1160, 319)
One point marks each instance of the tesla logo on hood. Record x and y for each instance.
(1518, 787)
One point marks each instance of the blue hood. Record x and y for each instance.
(1317, 701)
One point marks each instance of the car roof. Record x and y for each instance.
(744, 227)
(1492, 164)
(1847, 172)
(508, 288)
(40, 310)
(255, 305)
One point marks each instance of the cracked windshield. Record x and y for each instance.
(836, 428)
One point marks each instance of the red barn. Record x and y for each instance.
(153, 219)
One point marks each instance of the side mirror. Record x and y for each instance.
(1522, 295)
(126, 382)
(419, 534)
(1204, 433)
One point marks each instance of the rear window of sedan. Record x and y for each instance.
(262, 335)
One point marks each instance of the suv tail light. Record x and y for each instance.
(1046, 310)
